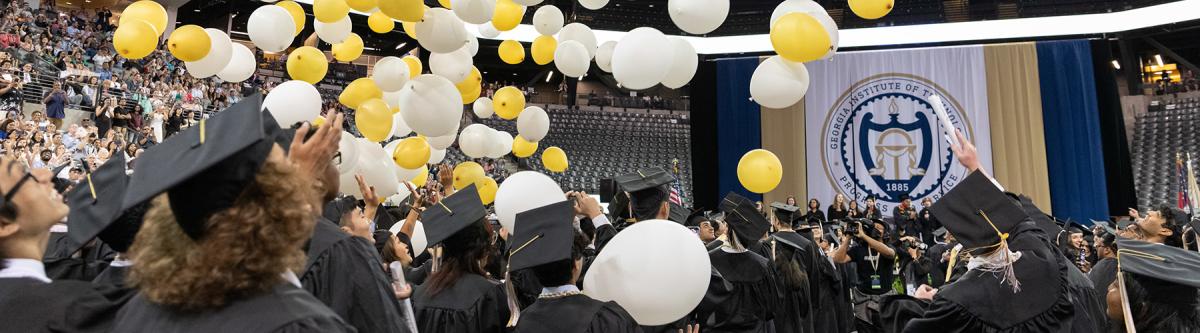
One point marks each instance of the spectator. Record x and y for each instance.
(104, 115)
(10, 94)
(55, 102)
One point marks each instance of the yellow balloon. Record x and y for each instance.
(410, 29)
(411, 153)
(414, 66)
(421, 177)
(470, 87)
(511, 52)
(871, 9)
(362, 5)
(487, 189)
(380, 23)
(543, 49)
(508, 102)
(507, 15)
(374, 120)
(467, 173)
(523, 148)
(307, 64)
(330, 11)
(444, 3)
(799, 37)
(411, 11)
(296, 11)
(554, 159)
(318, 122)
(189, 43)
(135, 39)
(146, 10)
(759, 171)
(348, 49)
(359, 91)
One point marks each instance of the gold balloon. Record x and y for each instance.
(374, 120)
(296, 11)
(362, 5)
(470, 87)
(511, 52)
(421, 177)
(508, 102)
(411, 11)
(380, 23)
(330, 11)
(759, 171)
(348, 49)
(414, 66)
(359, 91)
(135, 39)
(871, 9)
(412, 152)
(189, 43)
(445, 3)
(467, 173)
(554, 159)
(799, 37)
(410, 28)
(543, 49)
(146, 10)
(487, 189)
(507, 15)
(307, 64)
(523, 148)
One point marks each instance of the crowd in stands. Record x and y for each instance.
(1166, 86)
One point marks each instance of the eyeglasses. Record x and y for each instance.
(17, 187)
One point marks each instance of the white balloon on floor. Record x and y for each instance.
(241, 64)
(604, 55)
(268, 28)
(683, 63)
(292, 102)
(533, 124)
(698, 16)
(441, 31)
(527, 190)
(778, 83)
(218, 55)
(657, 270)
(548, 20)
(390, 74)
(335, 32)
(571, 58)
(581, 33)
(454, 66)
(431, 105)
(638, 59)
(473, 11)
(483, 108)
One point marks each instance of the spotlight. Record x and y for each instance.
(1158, 58)
(1116, 65)
(548, 76)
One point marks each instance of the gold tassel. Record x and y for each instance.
(1006, 270)
(514, 309)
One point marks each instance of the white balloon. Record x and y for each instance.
(816, 11)
(271, 28)
(348, 147)
(442, 142)
(441, 31)
(604, 55)
(390, 73)
(392, 98)
(638, 61)
(474, 11)
(580, 33)
(527, 3)
(487, 30)
(698, 16)
(657, 270)
(292, 102)
(436, 156)
(501, 144)
(418, 237)
(533, 124)
(548, 20)
(571, 59)
(472, 46)
(348, 185)
(400, 129)
(483, 108)
(523, 191)
(683, 63)
(431, 105)
(778, 83)
(376, 166)
(241, 64)
(402, 174)
(218, 55)
(454, 66)
(593, 4)
(475, 140)
(397, 199)
(335, 32)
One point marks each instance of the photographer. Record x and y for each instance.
(917, 268)
(874, 261)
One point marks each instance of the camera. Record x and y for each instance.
(851, 227)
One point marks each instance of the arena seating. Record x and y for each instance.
(1169, 127)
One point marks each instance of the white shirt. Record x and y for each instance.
(559, 289)
(24, 268)
(290, 277)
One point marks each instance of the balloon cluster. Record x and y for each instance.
(801, 31)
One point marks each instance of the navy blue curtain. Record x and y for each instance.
(703, 138)
(1071, 116)
(739, 129)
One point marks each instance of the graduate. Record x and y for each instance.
(794, 258)
(96, 213)
(547, 244)
(216, 252)
(1156, 289)
(755, 298)
(647, 196)
(459, 296)
(1089, 308)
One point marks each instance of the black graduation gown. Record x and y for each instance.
(797, 307)
(754, 299)
(526, 286)
(63, 265)
(417, 275)
(929, 224)
(827, 294)
(575, 314)
(29, 305)
(113, 275)
(1102, 275)
(715, 244)
(345, 273)
(1089, 310)
(474, 304)
(285, 308)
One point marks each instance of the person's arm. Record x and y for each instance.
(370, 200)
(878, 246)
(839, 254)
(414, 212)
(446, 178)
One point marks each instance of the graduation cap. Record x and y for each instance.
(1039, 217)
(645, 187)
(452, 214)
(696, 217)
(1079, 228)
(1176, 274)
(97, 208)
(939, 232)
(980, 216)
(678, 214)
(784, 211)
(1106, 226)
(793, 239)
(205, 168)
(743, 217)
(545, 235)
(1122, 224)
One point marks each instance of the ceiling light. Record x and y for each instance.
(401, 45)
(196, 10)
(548, 76)
(651, 5)
(1116, 65)
(1158, 58)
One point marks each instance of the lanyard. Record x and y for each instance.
(873, 260)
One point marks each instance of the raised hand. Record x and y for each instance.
(966, 152)
(314, 155)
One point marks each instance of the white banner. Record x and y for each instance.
(871, 111)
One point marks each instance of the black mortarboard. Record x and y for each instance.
(646, 188)
(747, 224)
(618, 207)
(1079, 228)
(905, 197)
(978, 213)
(96, 203)
(678, 214)
(1039, 217)
(452, 214)
(1163, 262)
(697, 217)
(1123, 223)
(205, 168)
(939, 232)
(784, 211)
(544, 235)
(1106, 226)
(793, 239)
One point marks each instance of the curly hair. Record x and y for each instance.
(245, 250)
